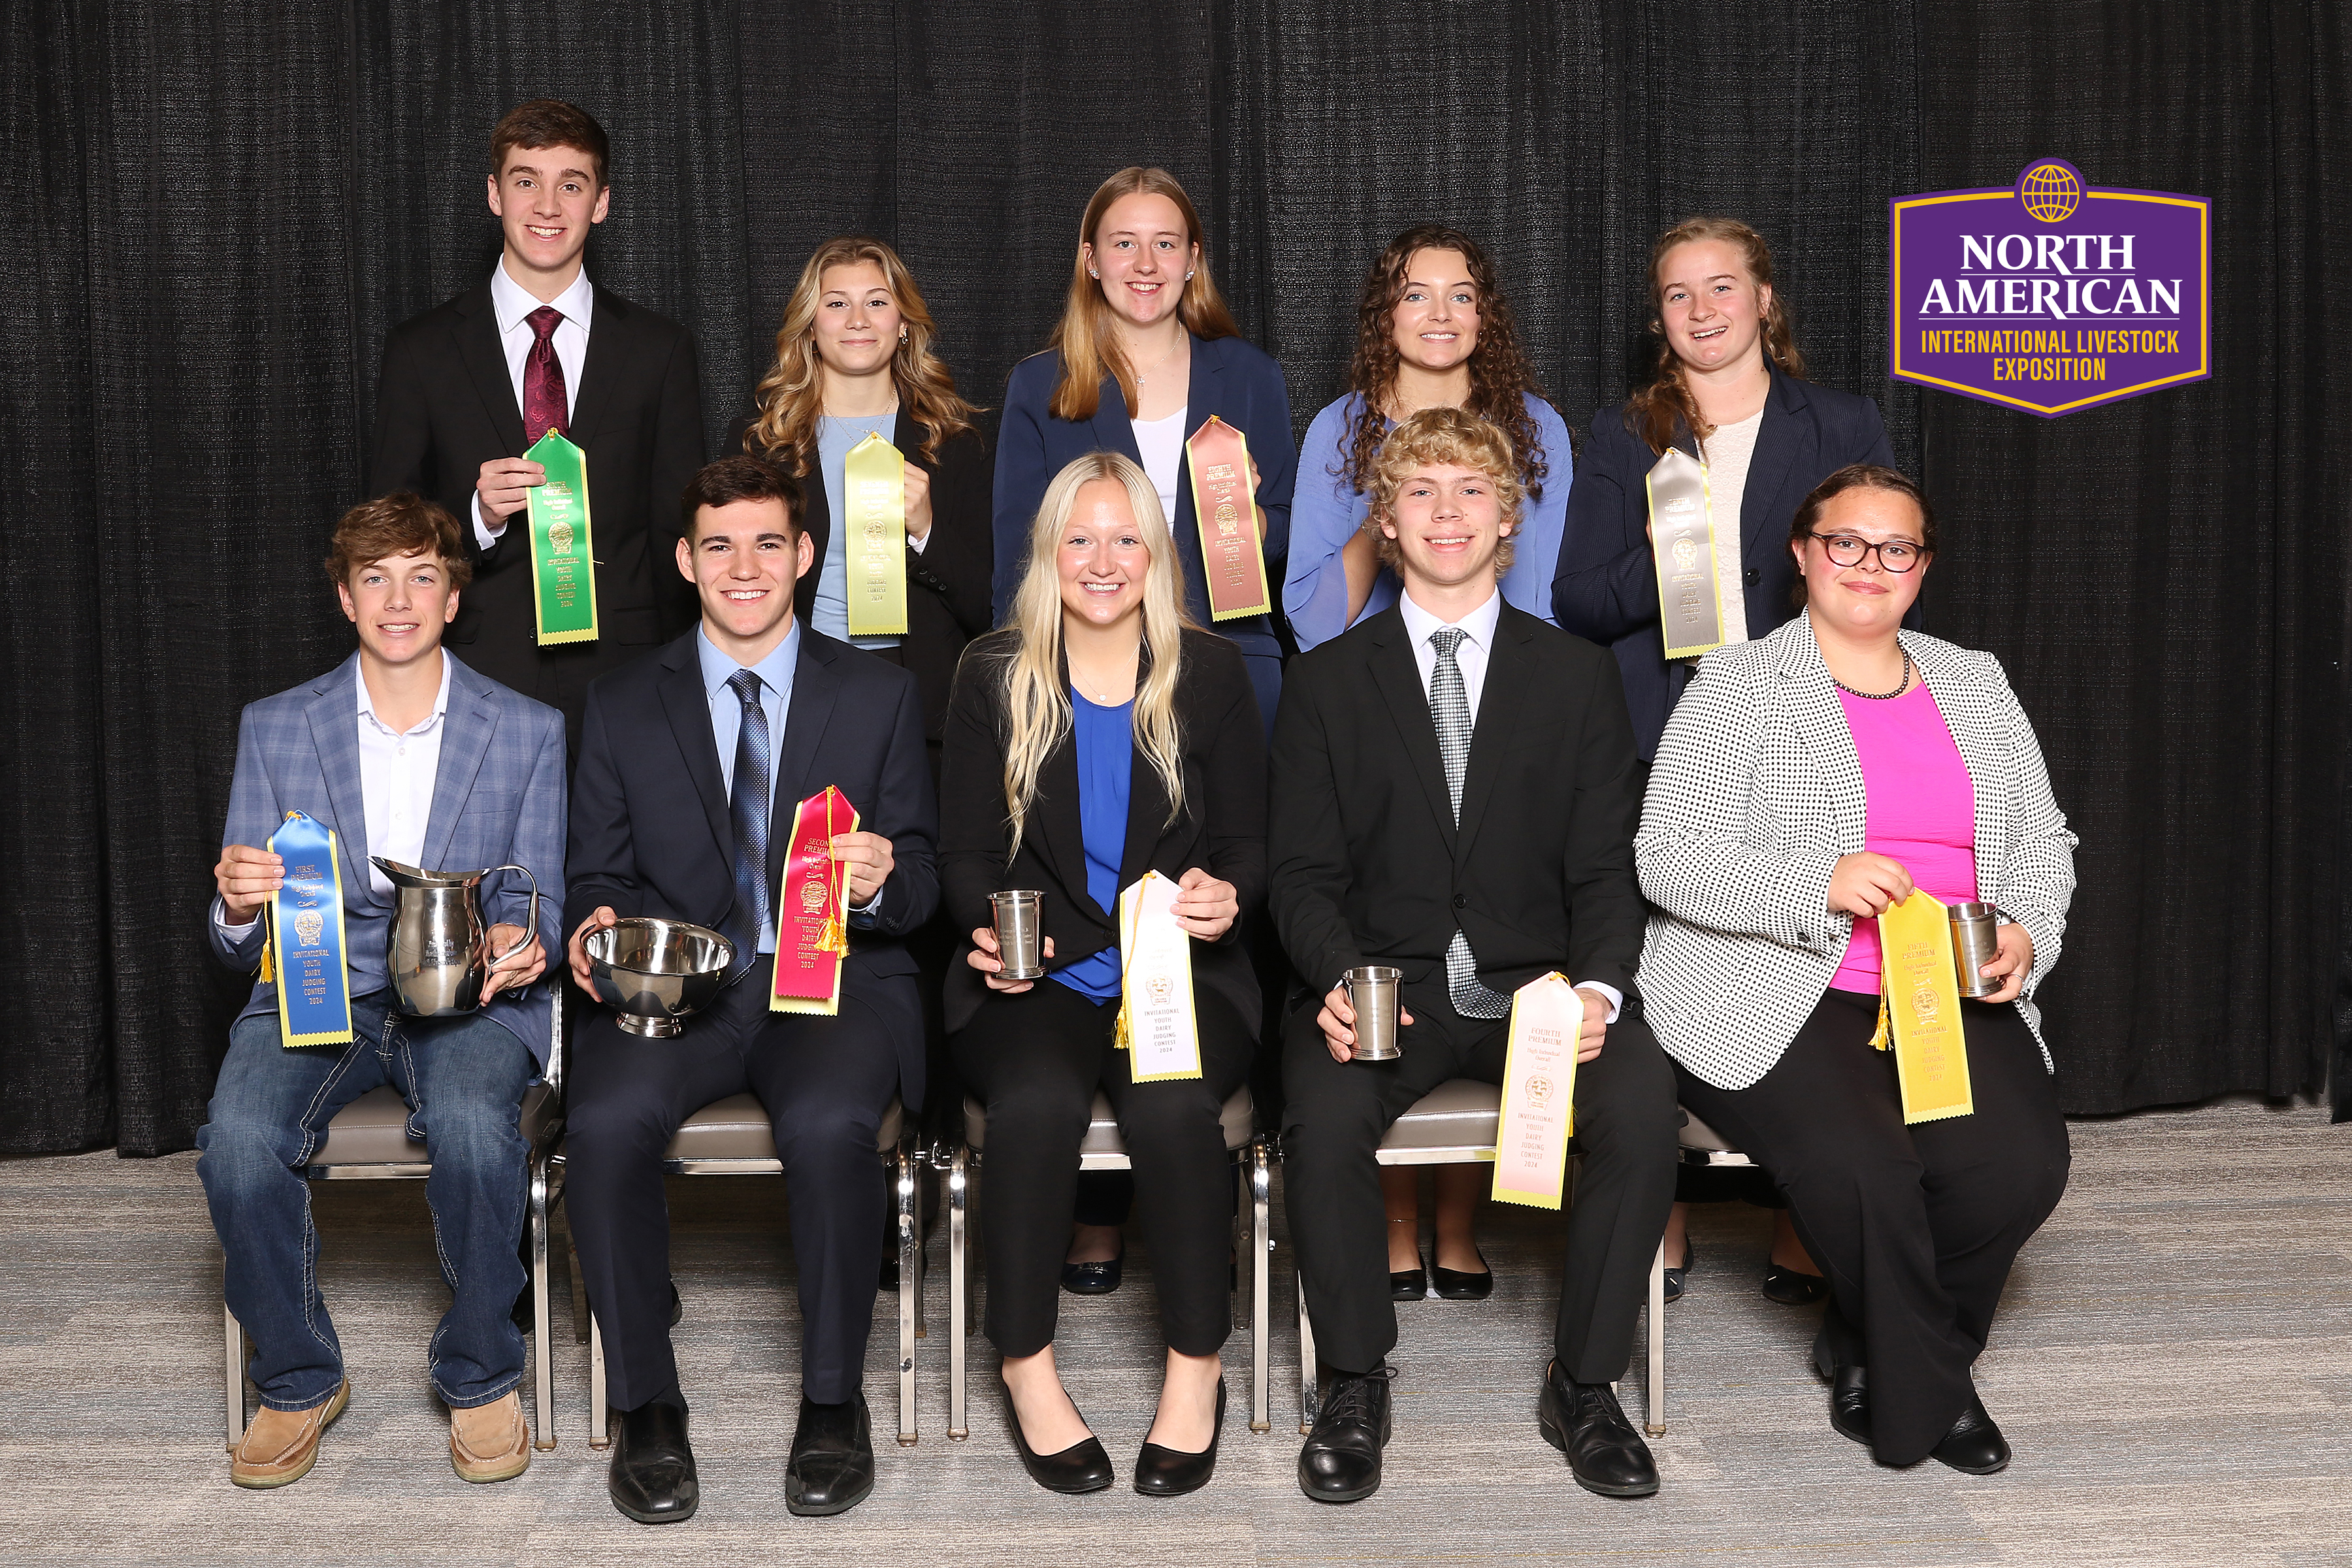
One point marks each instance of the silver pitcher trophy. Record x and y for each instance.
(437, 950)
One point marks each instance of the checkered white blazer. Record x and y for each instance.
(1757, 792)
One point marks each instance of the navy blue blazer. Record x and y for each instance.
(650, 829)
(1231, 378)
(1607, 585)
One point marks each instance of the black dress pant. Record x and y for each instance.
(1914, 1226)
(1036, 1059)
(825, 1084)
(1337, 1113)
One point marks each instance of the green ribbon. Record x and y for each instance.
(562, 547)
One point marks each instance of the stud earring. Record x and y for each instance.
(1092, 273)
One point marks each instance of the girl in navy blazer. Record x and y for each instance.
(1144, 352)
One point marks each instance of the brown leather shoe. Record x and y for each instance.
(491, 1442)
(282, 1446)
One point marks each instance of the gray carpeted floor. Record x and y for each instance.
(2174, 1367)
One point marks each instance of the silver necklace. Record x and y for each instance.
(1143, 376)
(1900, 687)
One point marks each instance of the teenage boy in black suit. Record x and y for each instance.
(1455, 795)
(471, 384)
(691, 763)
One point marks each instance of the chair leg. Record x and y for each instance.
(958, 1289)
(599, 1436)
(233, 1358)
(542, 1354)
(1656, 1425)
(916, 1163)
(910, 1234)
(1261, 1181)
(1307, 1397)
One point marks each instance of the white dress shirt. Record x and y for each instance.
(512, 304)
(398, 770)
(1471, 657)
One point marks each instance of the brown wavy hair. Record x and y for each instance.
(401, 523)
(1502, 377)
(1451, 435)
(792, 394)
(1657, 408)
(1085, 335)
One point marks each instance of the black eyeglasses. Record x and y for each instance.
(1894, 554)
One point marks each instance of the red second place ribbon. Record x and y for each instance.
(812, 914)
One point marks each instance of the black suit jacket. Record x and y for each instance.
(1221, 829)
(1607, 585)
(650, 829)
(947, 580)
(1367, 865)
(445, 404)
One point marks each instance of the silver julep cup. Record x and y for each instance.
(1020, 932)
(1974, 944)
(1372, 993)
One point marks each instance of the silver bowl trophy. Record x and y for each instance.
(1372, 993)
(1020, 919)
(1975, 942)
(436, 950)
(653, 972)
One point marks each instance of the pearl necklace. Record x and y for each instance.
(1900, 687)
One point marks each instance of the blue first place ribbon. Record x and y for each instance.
(314, 992)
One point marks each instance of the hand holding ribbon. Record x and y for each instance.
(866, 857)
(247, 879)
(1206, 907)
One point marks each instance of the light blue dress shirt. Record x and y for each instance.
(775, 673)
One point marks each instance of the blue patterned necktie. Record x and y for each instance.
(1449, 710)
(748, 805)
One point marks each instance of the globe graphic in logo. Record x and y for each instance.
(2051, 191)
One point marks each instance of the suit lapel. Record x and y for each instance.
(816, 687)
(1821, 721)
(1114, 432)
(600, 369)
(486, 362)
(816, 521)
(465, 732)
(688, 706)
(333, 713)
(1976, 731)
(1778, 437)
(1055, 821)
(1397, 675)
(1509, 668)
(1146, 808)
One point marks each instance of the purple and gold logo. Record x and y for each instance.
(2052, 294)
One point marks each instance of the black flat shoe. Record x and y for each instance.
(1850, 1404)
(652, 1476)
(1083, 1466)
(1793, 1287)
(1974, 1446)
(1675, 1275)
(832, 1466)
(1583, 1421)
(1098, 1278)
(1409, 1284)
(1462, 1284)
(1171, 1472)
(1340, 1461)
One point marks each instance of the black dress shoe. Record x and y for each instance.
(1409, 1284)
(1583, 1421)
(1850, 1404)
(1340, 1461)
(1793, 1287)
(652, 1478)
(1462, 1284)
(1675, 1275)
(677, 1305)
(1097, 1279)
(1083, 1466)
(1171, 1472)
(832, 1467)
(1974, 1446)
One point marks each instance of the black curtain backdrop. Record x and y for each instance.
(214, 214)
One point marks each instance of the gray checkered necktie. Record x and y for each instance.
(1449, 710)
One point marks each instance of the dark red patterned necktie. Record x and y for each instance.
(543, 378)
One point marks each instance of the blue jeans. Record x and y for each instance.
(464, 1081)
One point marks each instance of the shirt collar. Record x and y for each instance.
(776, 670)
(440, 701)
(1478, 624)
(511, 302)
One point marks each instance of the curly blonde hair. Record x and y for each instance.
(1456, 438)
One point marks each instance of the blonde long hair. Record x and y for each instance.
(1036, 689)
(1086, 335)
(792, 394)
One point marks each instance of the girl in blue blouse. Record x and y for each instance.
(1433, 331)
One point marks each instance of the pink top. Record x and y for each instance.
(1921, 809)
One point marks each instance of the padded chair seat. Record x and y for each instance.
(1460, 1113)
(1698, 1134)
(1238, 1118)
(736, 1128)
(373, 1128)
